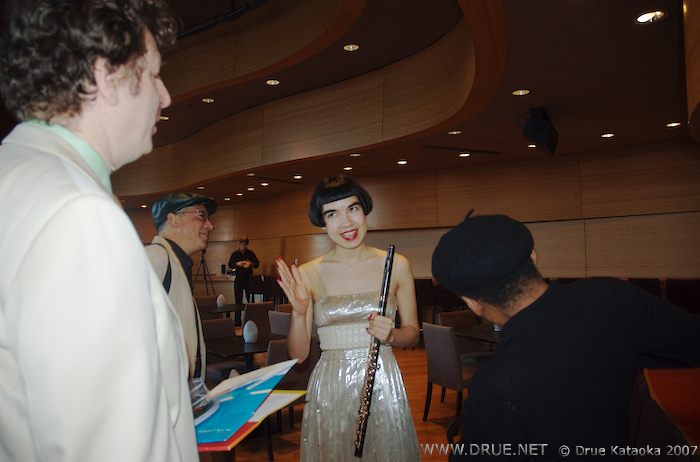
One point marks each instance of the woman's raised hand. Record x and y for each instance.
(291, 283)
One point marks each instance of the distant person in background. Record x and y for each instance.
(93, 359)
(182, 220)
(242, 262)
(564, 370)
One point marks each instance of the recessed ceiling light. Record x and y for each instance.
(164, 117)
(227, 198)
(251, 188)
(521, 92)
(208, 100)
(347, 168)
(607, 135)
(250, 174)
(673, 124)
(454, 132)
(298, 177)
(402, 162)
(351, 47)
(264, 183)
(273, 82)
(355, 154)
(143, 206)
(239, 194)
(464, 154)
(201, 188)
(651, 16)
(532, 146)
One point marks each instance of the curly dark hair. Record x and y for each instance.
(48, 53)
(503, 293)
(335, 188)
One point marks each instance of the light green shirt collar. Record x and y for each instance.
(87, 152)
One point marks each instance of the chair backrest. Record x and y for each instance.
(216, 328)
(272, 290)
(279, 322)
(298, 377)
(256, 286)
(285, 307)
(425, 292)
(257, 312)
(444, 362)
(460, 318)
(206, 301)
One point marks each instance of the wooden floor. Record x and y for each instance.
(413, 366)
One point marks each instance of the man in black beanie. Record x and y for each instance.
(561, 380)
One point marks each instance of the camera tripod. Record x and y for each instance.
(205, 274)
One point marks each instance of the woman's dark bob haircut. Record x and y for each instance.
(335, 188)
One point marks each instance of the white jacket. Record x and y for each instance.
(181, 297)
(92, 358)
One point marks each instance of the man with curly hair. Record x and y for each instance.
(94, 365)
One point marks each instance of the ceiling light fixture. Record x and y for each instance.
(227, 198)
(250, 174)
(251, 188)
(208, 100)
(273, 82)
(402, 162)
(650, 17)
(143, 206)
(454, 132)
(464, 154)
(239, 194)
(164, 117)
(355, 154)
(347, 168)
(532, 146)
(351, 47)
(201, 188)
(521, 92)
(298, 177)
(607, 135)
(264, 183)
(673, 124)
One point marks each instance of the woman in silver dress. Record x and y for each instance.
(340, 292)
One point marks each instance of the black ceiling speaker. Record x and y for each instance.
(539, 130)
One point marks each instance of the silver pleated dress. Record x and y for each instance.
(330, 419)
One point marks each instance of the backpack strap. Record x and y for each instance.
(167, 279)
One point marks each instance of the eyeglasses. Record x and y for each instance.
(201, 214)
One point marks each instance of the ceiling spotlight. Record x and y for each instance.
(227, 198)
(650, 17)
(454, 132)
(464, 154)
(521, 92)
(673, 124)
(532, 146)
(239, 194)
(250, 174)
(164, 117)
(273, 82)
(355, 154)
(402, 162)
(208, 100)
(264, 183)
(201, 188)
(143, 206)
(348, 168)
(607, 135)
(351, 47)
(298, 177)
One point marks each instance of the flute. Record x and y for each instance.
(368, 386)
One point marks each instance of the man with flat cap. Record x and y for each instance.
(565, 368)
(183, 225)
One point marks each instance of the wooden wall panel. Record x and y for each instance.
(143, 222)
(422, 99)
(331, 119)
(416, 245)
(258, 222)
(664, 246)
(223, 220)
(560, 247)
(402, 201)
(659, 178)
(304, 248)
(539, 190)
(294, 214)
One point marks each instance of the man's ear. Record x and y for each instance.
(474, 306)
(173, 220)
(533, 257)
(106, 84)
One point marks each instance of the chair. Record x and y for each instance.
(296, 379)
(272, 290)
(217, 368)
(470, 350)
(445, 368)
(652, 285)
(285, 307)
(207, 301)
(279, 322)
(256, 287)
(448, 300)
(257, 312)
(684, 293)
